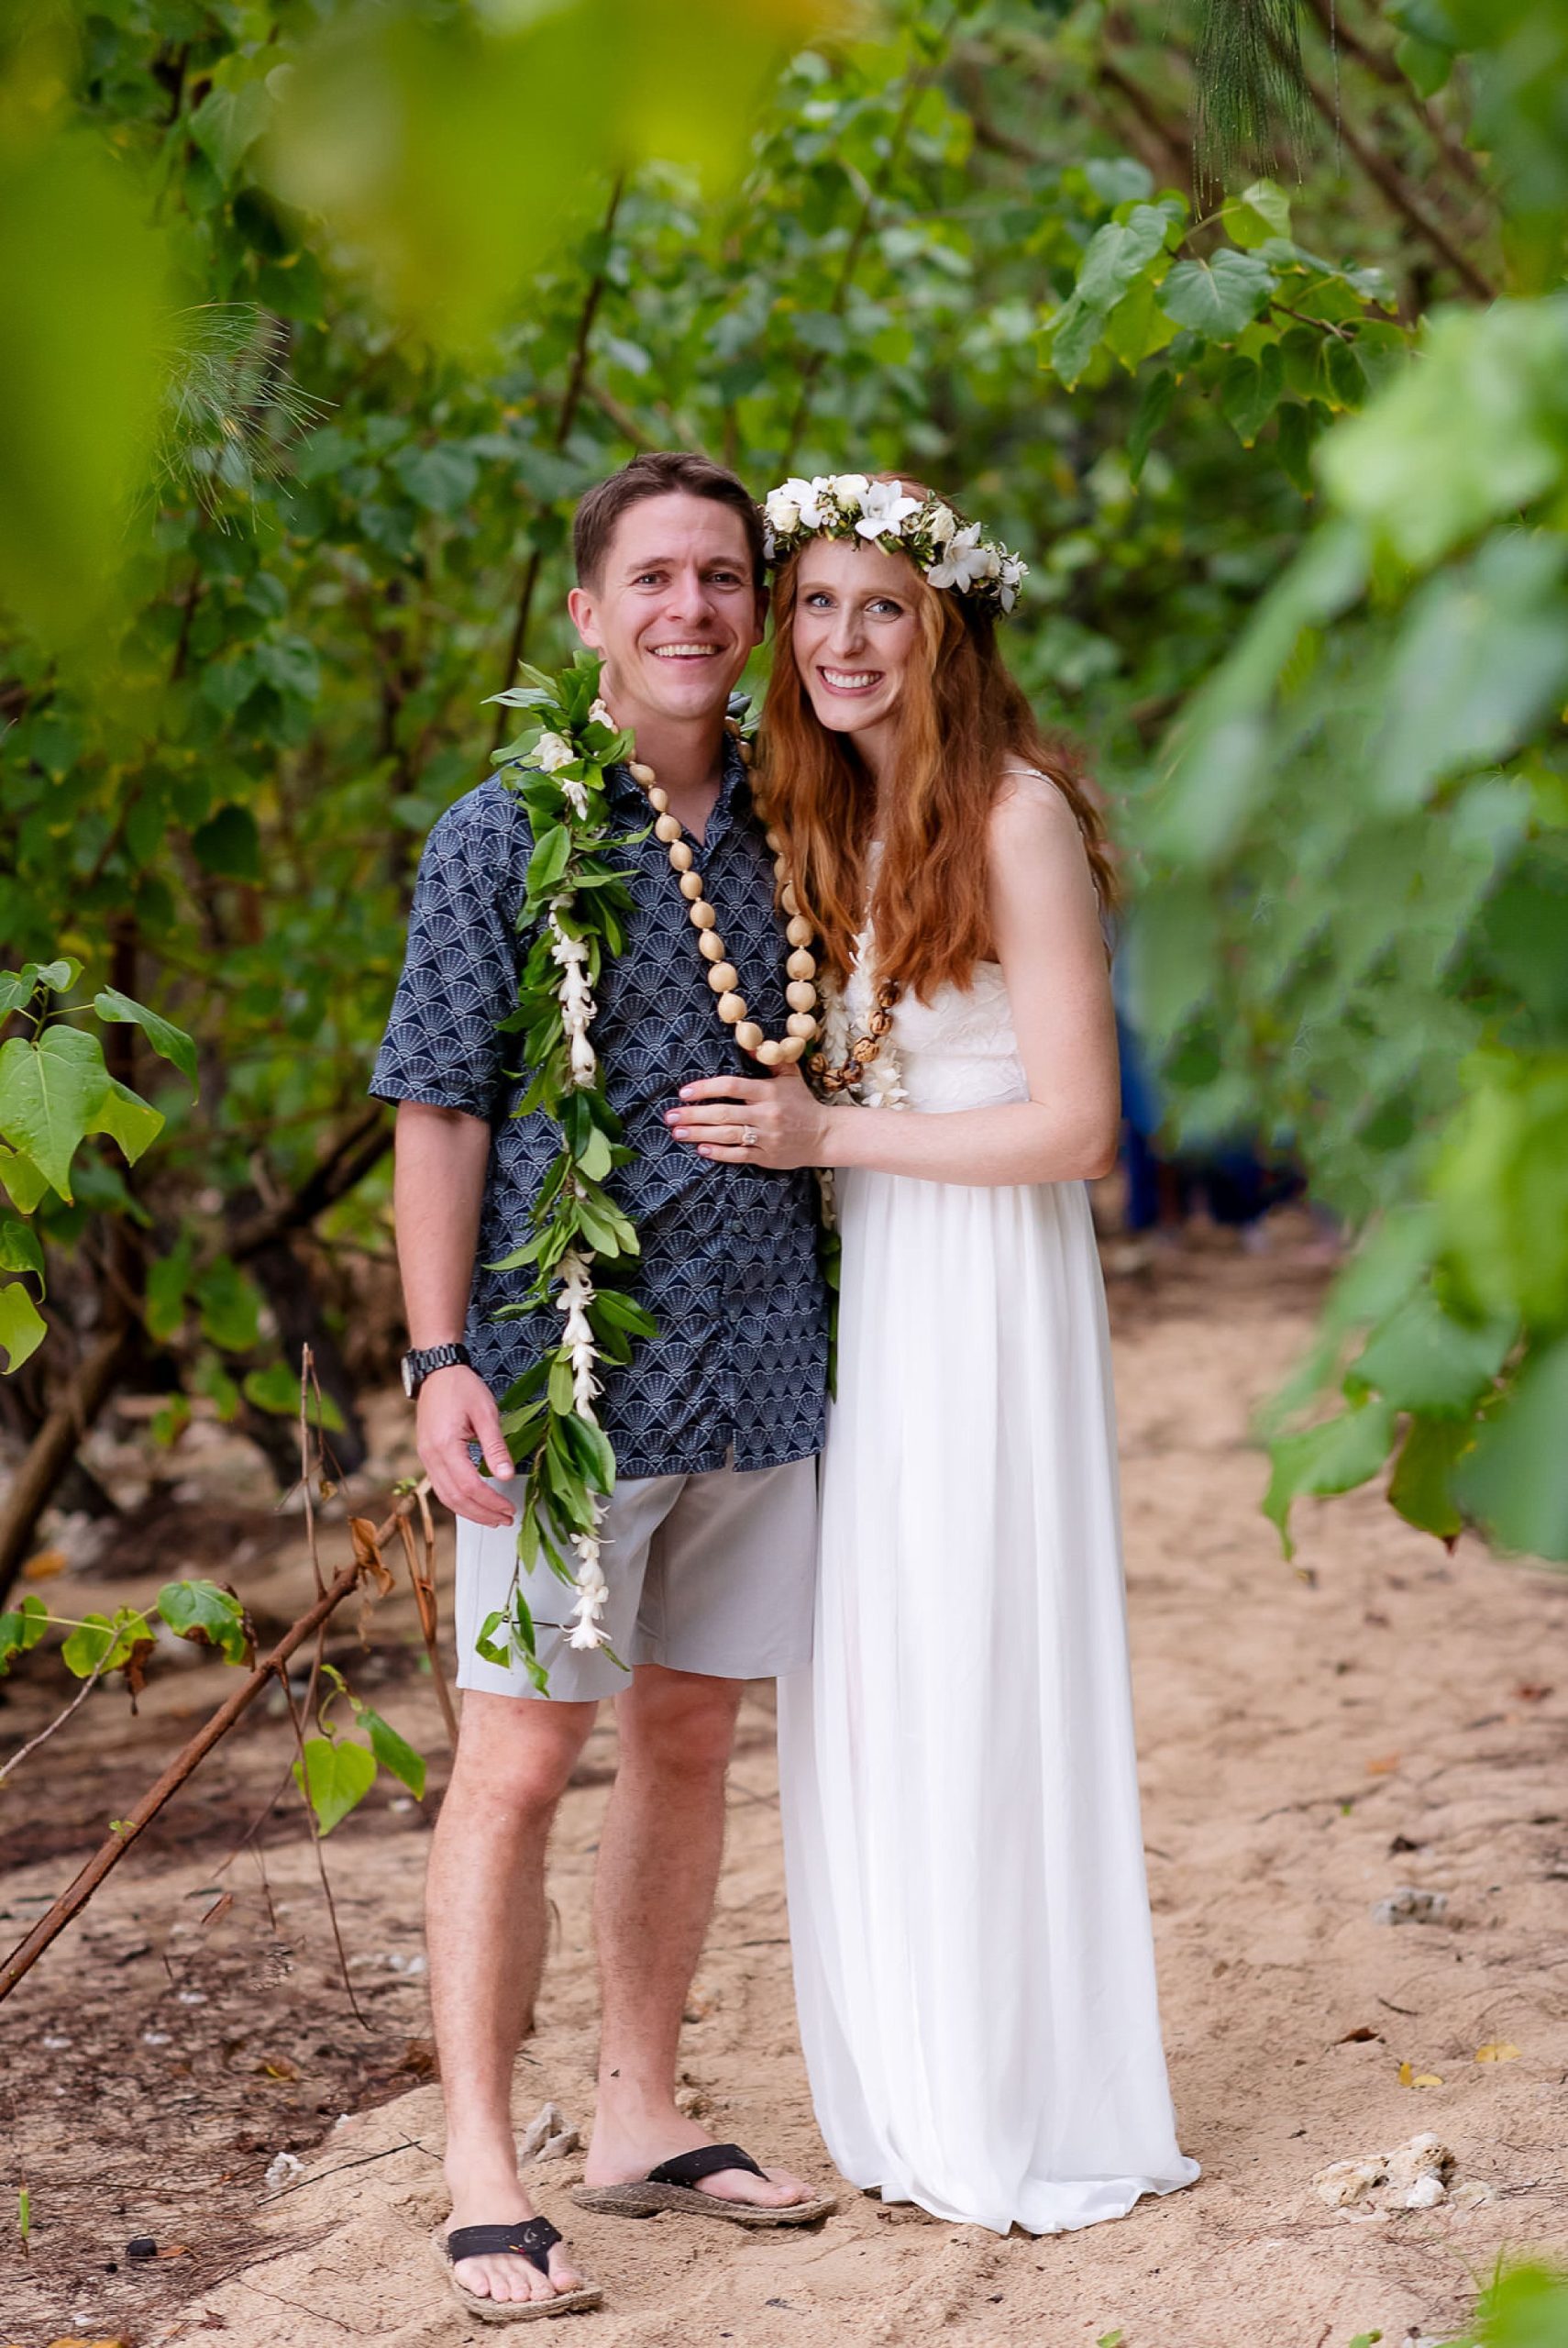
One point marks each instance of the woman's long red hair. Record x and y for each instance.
(965, 720)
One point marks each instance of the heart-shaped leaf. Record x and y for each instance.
(334, 1778)
(50, 1092)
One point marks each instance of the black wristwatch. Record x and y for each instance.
(418, 1366)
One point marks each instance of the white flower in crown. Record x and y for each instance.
(787, 504)
(884, 509)
(941, 522)
(965, 561)
(1014, 571)
(553, 751)
(848, 492)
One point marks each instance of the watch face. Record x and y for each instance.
(408, 1377)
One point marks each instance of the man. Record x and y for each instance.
(710, 1534)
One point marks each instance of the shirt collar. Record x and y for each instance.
(732, 808)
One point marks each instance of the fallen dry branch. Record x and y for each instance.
(75, 1897)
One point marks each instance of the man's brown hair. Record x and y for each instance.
(660, 472)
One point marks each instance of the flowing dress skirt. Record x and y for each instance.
(970, 1922)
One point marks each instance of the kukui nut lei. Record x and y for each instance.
(803, 1025)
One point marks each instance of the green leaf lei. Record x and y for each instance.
(576, 899)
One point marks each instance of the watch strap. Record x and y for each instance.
(421, 1362)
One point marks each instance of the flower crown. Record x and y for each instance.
(952, 553)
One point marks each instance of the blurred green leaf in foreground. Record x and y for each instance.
(1358, 933)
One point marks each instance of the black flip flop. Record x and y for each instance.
(529, 2238)
(672, 2186)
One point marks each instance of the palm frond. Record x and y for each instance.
(230, 406)
(1252, 88)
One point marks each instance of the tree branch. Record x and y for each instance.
(565, 419)
(75, 1897)
(1386, 176)
(1384, 68)
(812, 365)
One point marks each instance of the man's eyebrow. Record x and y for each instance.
(671, 561)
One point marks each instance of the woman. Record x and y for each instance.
(969, 1909)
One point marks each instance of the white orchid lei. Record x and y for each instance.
(576, 902)
(952, 552)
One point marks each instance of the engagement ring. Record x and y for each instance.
(748, 1137)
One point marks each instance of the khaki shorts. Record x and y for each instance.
(712, 1573)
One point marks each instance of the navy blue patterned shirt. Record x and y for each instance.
(729, 1253)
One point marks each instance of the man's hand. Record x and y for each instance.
(786, 1119)
(456, 1408)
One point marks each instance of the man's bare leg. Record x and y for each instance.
(658, 1870)
(485, 1924)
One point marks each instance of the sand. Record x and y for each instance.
(1312, 1740)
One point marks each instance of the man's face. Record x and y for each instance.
(674, 612)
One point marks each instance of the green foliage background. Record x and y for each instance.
(1290, 475)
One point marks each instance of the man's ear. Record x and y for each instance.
(584, 618)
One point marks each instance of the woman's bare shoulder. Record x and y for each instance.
(1032, 813)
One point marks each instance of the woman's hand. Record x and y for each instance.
(751, 1120)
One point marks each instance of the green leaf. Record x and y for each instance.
(1217, 298)
(168, 1278)
(170, 1043)
(1260, 211)
(1523, 2307)
(21, 1628)
(126, 1118)
(592, 1448)
(393, 1752)
(1421, 1487)
(277, 1389)
(99, 1642)
(1425, 65)
(442, 479)
(20, 1248)
(552, 853)
(1293, 444)
(22, 1327)
(229, 120)
(1480, 663)
(50, 1092)
(1345, 377)
(1420, 1359)
(209, 1616)
(1137, 328)
(593, 1159)
(1502, 1190)
(1116, 254)
(230, 845)
(1334, 1458)
(488, 1647)
(230, 1303)
(25, 1185)
(1516, 1480)
(1469, 433)
(85, 300)
(337, 1774)
(1249, 392)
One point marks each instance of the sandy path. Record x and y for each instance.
(1293, 1729)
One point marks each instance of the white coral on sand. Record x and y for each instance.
(1415, 2175)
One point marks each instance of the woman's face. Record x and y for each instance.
(856, 628)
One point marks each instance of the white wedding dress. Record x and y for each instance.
(973, 1964)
